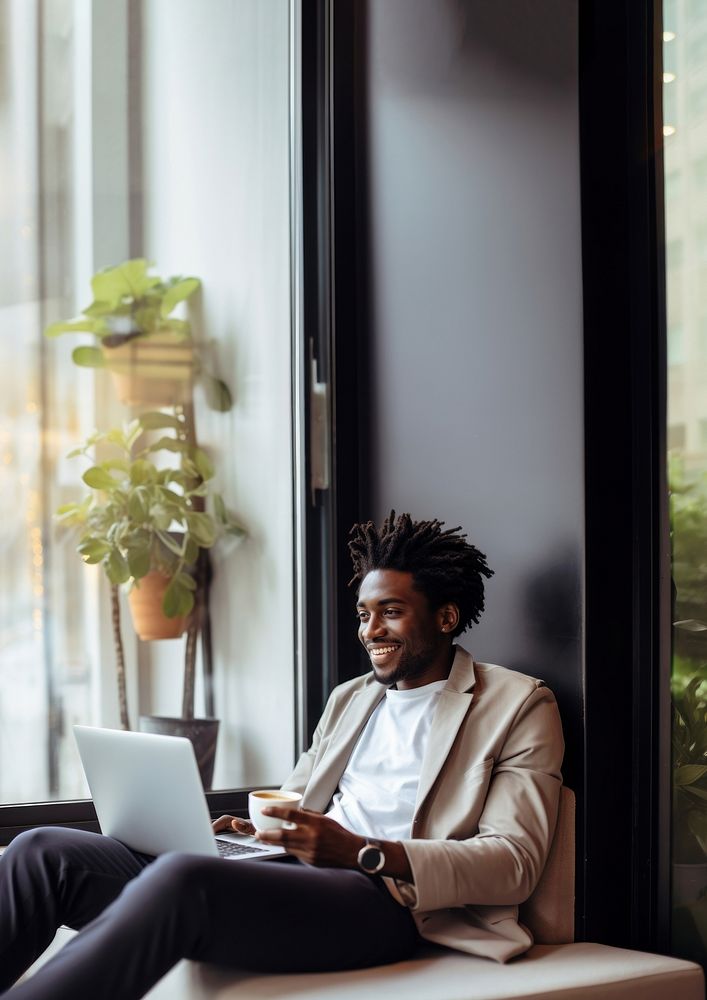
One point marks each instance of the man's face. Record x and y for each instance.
(408, 643)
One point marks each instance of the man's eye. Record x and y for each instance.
(391, 611)
(362, 616)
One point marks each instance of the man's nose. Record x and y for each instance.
(375, 626)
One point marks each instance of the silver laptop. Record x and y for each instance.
(148, 794)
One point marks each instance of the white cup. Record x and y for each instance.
(259, 800)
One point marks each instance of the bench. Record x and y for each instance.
(555, 968)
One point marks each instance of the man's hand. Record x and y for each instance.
(233, 825)
(315, 839)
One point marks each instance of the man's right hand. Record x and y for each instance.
(233, 825)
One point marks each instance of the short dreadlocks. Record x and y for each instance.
(444, 566)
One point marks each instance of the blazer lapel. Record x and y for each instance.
(325, 776)
(451, 711)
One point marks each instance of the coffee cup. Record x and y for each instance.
(259, 800)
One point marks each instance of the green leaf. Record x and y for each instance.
(93, 550)
(698, 793)
(169, 444)
(74, 326)
(220, 508)
(145, 318)
(88, 357)
(203, 464)
(186, 580)
(218, 396)
(116, 567)
(139, 562)
(202, 527)
(177, 292)
(139, 505)
(141, 472)
(156, 420)
(178, 599)
(191, 551)
(128, 280)
(98, 479)
(689, 773)
(100, 309)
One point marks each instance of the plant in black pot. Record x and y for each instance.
(145, 525)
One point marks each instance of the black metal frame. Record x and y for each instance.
(623, 843)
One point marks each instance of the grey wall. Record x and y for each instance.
(475, 307)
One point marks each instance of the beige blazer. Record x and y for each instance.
(486, 803)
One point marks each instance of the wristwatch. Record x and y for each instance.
(371, 857)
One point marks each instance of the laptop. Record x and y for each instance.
(148, 794)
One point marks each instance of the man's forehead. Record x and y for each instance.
(382, 586)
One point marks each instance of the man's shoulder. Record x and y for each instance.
(493, 676)
(352, 686)
(494, 673)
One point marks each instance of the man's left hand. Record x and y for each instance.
(315, 839)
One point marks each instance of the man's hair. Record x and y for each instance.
(444, 566)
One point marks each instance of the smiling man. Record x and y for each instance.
(430, 795)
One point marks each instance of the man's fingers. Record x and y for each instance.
(242, 826)
(288, 813)
(222, 823)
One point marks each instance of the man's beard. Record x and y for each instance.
(411, 665)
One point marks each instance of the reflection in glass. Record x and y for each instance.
(142, 145)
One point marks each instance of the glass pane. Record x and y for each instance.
(685, 132)
(145, 320)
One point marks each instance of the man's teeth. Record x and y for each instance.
(380, 650)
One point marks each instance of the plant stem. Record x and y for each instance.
(189, 671)
(119, 657)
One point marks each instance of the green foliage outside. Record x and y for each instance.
(688, 517)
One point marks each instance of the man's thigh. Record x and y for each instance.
(293, 917)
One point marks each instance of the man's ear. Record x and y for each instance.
(448, 617)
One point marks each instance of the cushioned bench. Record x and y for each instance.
(555, 968)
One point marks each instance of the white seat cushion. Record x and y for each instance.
(547, 972)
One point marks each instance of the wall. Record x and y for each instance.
(475, 360)
(216, 204)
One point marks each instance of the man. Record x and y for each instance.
(430, 798)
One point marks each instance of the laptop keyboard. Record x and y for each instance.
(229, 850)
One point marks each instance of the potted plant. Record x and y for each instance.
(145, 525)
(147, 348)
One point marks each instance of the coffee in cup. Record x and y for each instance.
(259, 800)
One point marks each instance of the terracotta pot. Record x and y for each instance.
(202, 733)
(149, 619)
(158, 370)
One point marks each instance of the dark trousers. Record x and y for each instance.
(137, 917)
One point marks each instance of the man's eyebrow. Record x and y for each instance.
(383, 601)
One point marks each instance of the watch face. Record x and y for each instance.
(370, 858)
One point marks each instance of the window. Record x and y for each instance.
(677, 436)
(676, 345)
(687, 463)
(157, 132)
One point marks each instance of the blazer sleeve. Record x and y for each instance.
(502, 862)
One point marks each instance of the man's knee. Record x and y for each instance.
(39, 842)
(176, 874)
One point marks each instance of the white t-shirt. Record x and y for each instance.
(377, 791)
